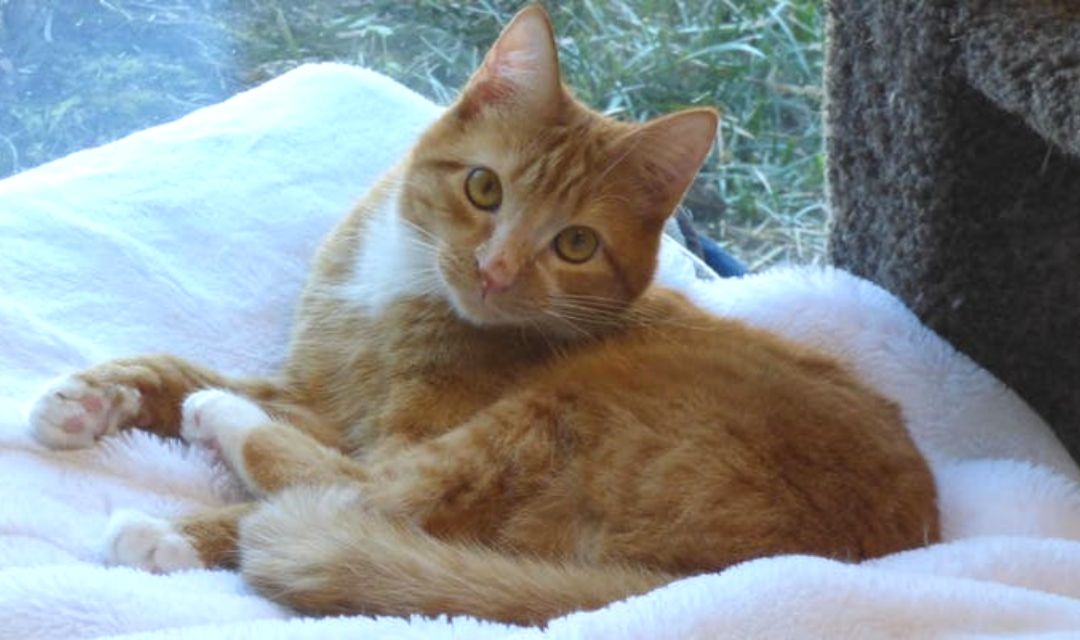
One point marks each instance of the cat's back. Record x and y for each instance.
(710, 442)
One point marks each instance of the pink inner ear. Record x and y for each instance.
(488, 90)
(495, 90)
(522, 67)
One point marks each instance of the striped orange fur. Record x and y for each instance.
(481, 417)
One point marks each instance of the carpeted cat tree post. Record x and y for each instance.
(953, 135)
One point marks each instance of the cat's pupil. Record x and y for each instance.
(483, 188)
(576, 244)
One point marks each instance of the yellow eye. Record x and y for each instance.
(576, 244)
(483, 188)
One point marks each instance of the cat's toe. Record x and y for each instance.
(72, 413)
(214, 418)
(134, 539)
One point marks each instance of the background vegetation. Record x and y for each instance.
(76, 73)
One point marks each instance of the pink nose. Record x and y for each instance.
(495, 276)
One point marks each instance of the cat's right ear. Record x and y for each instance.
(520, 71)
(666, 154)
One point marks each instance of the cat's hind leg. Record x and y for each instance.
(203, 539)
(267, 453)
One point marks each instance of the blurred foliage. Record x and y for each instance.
(77, 73)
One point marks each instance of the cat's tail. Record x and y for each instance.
(318, 551)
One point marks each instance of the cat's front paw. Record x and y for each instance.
(134, 539)
(219, 420)
(73, 413)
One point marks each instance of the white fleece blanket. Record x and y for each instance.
(194, 237)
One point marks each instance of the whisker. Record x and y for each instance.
(538, 329)
(422, 231)
(567, 322)
(601, 311)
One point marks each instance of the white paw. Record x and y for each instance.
(219, 420)
(72, 414)
(134, 539)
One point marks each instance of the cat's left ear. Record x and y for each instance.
(668, 153)
(521, 70)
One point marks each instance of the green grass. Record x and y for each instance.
(76, 73)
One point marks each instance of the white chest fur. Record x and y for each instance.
(395, 260)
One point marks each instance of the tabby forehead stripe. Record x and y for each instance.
(441, 164)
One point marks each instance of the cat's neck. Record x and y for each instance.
(394, 261)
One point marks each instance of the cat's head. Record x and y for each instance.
(542, 211)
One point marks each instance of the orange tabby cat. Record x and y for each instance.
(488, 409)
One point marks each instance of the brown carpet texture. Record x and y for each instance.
(953, 137)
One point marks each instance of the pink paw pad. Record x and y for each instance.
(72, 413)
(73, 425)
(92, 404)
